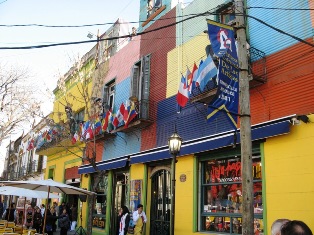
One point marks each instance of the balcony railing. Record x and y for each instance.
(146, 111)
(257, 68)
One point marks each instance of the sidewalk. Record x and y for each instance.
(69, 232)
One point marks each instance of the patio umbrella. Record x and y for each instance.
(21, 192)
(47, 186)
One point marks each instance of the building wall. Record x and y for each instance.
(158, 44)
(289, 170)
(289, 86)
(268, 40)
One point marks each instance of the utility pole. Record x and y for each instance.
(245, 123)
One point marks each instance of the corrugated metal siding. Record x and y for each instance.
(182, 57)
(188, 29)
(191, 122)
(297, 23)
(289, 89)
(121, 63)
(158, 44)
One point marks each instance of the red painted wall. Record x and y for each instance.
(158, 44)
(71, 173)
(290, 85)
(129, 55)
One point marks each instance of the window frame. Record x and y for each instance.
(108, 91)
(227, 9)
(202, 187)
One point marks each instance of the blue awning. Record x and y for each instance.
(104, 165)
(259, 131)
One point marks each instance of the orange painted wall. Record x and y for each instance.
(289, 87)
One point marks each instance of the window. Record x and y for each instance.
(226, 14)
(152, 6)
(108, 95)
(140, 82)
(221, 194)
(99, 213)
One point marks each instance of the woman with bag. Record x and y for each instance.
(37, 220)
(124, 221)
(50, 219)
(64, 222)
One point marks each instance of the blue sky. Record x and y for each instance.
(46, 64)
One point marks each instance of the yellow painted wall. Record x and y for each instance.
(184, 196)
(289, 171)
(85, 183)
(182, 57)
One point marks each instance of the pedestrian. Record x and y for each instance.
(54, 226)
(139, 220)
(50, 220)
(295, 227)
(29, 217)
(42, 208)
(276, 226)
(64, 222)
(37, 220)
(9, 213)
(74, 217)
(124, 221)
(1, 208)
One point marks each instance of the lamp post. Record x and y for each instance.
(174, 143)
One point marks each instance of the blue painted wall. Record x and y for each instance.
(123, 144)
(297, 23)
(191, 122)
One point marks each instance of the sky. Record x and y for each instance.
(45, 65)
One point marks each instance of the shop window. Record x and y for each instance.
(99, 215)
(221, 195)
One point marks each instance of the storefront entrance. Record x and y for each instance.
(160, 203)
(119, 199)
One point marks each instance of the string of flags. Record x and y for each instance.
(108, 122)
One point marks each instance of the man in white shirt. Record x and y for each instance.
(139, 219)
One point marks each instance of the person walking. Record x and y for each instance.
(64, 222)
(9, 213)
(29, 217)
(54, 226)
(74, 217)
(50, 220)
(37, 220)
(139, 220)
(124, 221)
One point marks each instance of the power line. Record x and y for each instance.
(280, 8)
(103, 39)
(280, 31)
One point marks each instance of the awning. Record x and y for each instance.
(259, 131)
(104, 165)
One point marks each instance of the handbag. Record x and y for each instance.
(48, 227)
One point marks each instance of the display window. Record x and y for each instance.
(99, 213)
(221, 194)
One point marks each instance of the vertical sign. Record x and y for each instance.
(227, 97)
(135, 194)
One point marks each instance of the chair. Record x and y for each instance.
(8, 230)
(10, 225)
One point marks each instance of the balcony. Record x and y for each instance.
(59, 142)
(257, 68)
(145, 117)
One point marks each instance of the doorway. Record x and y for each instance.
(119, 199)
(160, 204)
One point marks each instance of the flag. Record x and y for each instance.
(206, 71)
(105, 121)
(132, 114)
(75, 138)
(90, 132)
(85, 126)
(183, 92)
(110, 122)
(31, 145)
(119, 115)
(97, 127)
(126, 111)
(49, 136)
(191, 83)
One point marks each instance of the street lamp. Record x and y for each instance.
(174, 143)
